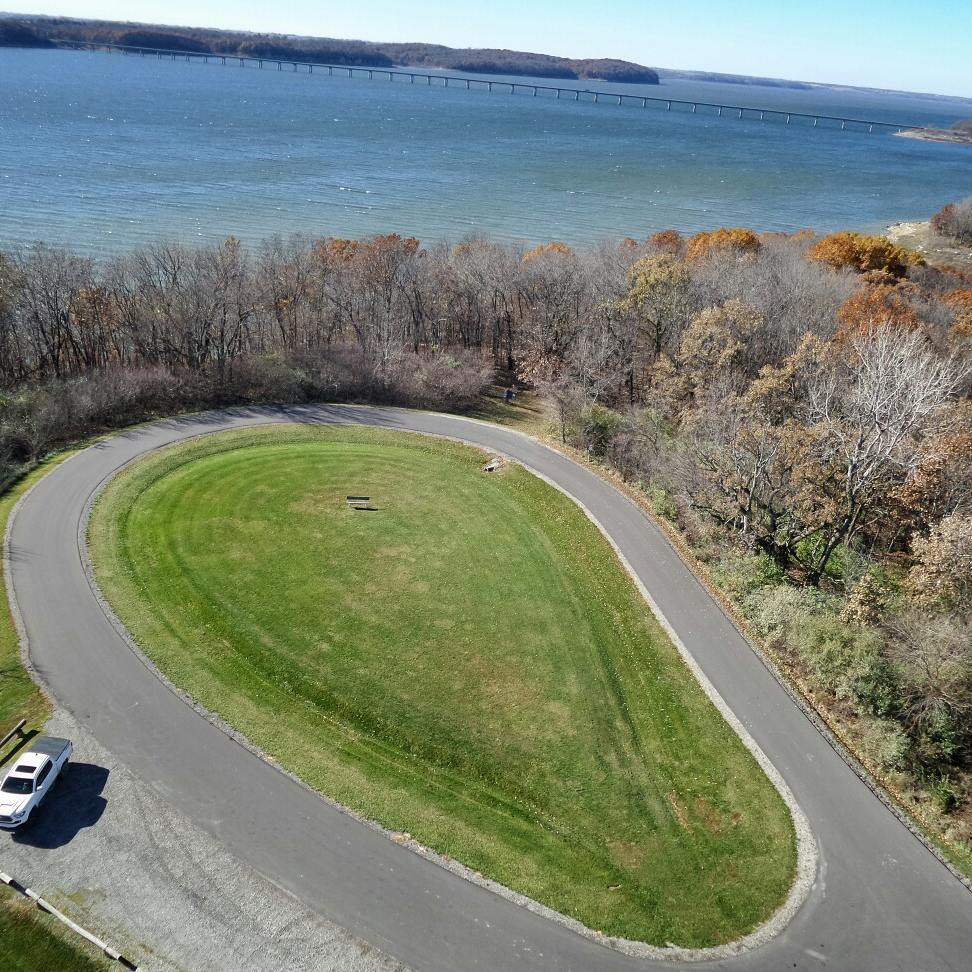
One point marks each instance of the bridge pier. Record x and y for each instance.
(695, 108)
(669, 108)
(740, 112)
(595, 97)
(815, 123)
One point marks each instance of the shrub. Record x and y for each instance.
(955, 220)
(737, 240)
(776, 610)
(740, 573)
(599, 427)
(865, 601)
(848, 661)
(862, 253)
(662, 501)
(942, 571)
(944, 791)
(884, 743)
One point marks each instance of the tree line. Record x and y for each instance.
(797, 406)
(38, 31)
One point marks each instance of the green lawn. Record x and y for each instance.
(469, 663)
(31, 941)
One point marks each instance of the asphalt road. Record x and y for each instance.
(881, 901)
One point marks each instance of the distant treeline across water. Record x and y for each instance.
(43, 31)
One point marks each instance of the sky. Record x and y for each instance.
(890, 44)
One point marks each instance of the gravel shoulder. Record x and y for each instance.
(141, 875)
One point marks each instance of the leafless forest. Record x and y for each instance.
(798, 407)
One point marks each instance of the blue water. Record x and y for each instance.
(104, 153)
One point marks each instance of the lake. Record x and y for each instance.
(103, 153)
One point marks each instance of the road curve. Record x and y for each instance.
(881, 900)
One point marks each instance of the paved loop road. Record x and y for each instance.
(881, 900)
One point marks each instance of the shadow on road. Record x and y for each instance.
(74, 804)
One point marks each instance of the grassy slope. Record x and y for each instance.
(29, 940)
(469, 664)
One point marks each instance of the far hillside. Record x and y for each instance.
(36, 31)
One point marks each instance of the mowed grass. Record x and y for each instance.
(31, 941)
(468, 664)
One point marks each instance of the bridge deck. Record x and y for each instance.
(509, 86)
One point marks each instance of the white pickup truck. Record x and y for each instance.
(31, 778)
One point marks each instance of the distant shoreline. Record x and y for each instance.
(919, 236)
(937, 135)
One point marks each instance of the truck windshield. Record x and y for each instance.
(13, 784)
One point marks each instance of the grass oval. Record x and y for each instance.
(468, 662)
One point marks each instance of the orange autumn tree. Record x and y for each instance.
(872, 306)
(861, 252)
(668, 241)
(553, 249)
(960, 301)
(738, 240)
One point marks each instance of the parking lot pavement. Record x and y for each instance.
(110, 853)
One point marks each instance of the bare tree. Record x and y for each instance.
(867, 412)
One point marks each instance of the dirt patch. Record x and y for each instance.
(708, 814)
(628, 854)
(680, 812)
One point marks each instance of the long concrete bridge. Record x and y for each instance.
(510, 87)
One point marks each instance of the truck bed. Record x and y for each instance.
(52, 746)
